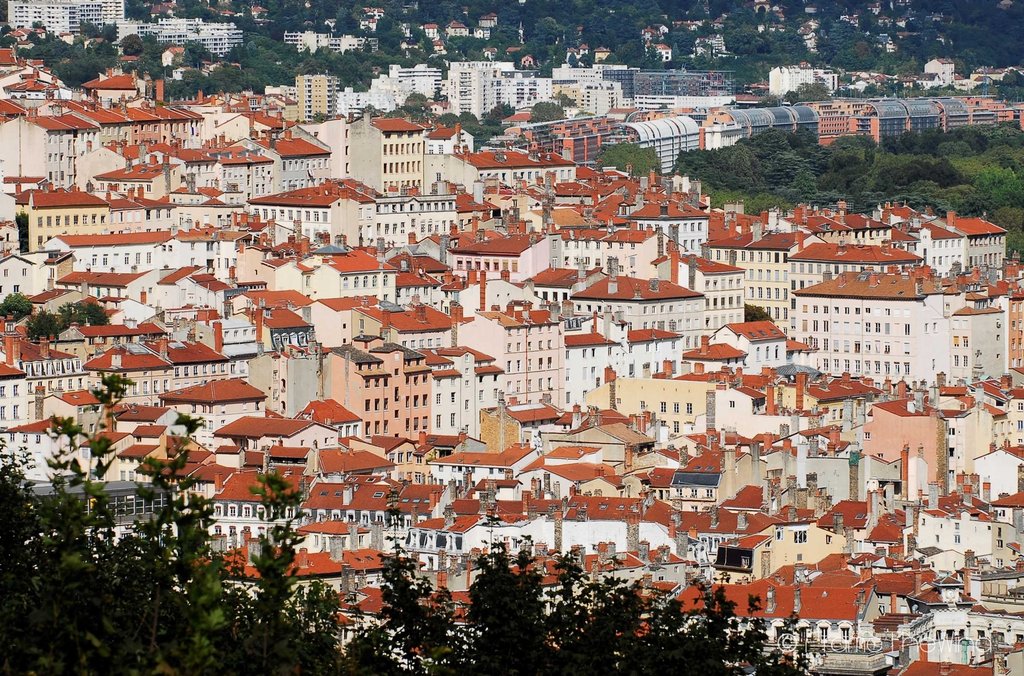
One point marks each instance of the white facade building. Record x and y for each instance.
(875, 325)
(478, 86)
(400, 82)
(785, 79)
(219, 38)
(350, 101)
(59, 16)
(311, 41)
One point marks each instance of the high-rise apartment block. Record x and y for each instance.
(317, 95)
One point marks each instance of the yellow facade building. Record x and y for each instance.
(62, 212)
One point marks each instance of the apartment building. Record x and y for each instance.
(478, 86)
(388, 152)
(219, 38)
(785, 79)
(464, 383)
(646, 304)
(317, 96)
(62, 212)
(387, 385)
(48, 146)
(404, 214)
(528, 344)
(765, 259)
(881, 325)
(61, 16)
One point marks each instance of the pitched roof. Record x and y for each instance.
(345, 462)
(215, 392)
(328, 412)
(879, 286)
(293, 147)
(757, 331)
(46, 199)
(396, 124)
(253, 427)
(632, 288)
(857, 253)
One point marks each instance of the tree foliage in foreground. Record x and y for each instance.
(79, 597)
(580, 624)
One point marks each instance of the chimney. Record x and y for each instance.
(609, 377)
(12, 349)
(801, 387)
(218, 333)
(40, 397)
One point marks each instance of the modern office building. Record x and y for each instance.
(668, 136)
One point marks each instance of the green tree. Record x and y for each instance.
(195, 54)
(584, 624)
(83, 595)
(44, 324)
(131, 45)
(809, 91)
(507, 615)
(546, 111)
(16, 305)
(755, 313)
(21, 221)
(629, 157)
(83, 312)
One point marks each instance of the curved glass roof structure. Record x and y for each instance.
(666, 127)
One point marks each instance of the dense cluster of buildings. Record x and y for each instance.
(510, 345)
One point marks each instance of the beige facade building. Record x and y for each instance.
(317, 96)
(387, 153)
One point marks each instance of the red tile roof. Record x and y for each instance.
(497, 159)
(115, 82)
(328, 412)
(857, 253)
(42, 199)
(631, 288)
(215, 392)
(757, 331)
(294, 147)
(323, 195)
(345, 462)
(396, 124)
(253, 427)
